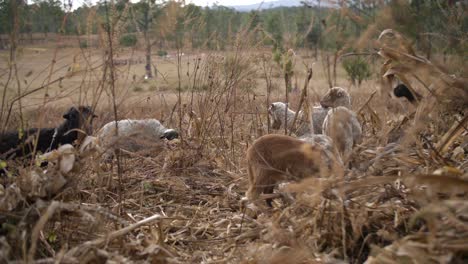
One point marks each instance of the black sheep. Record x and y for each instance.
(402, 91)
(12, 146)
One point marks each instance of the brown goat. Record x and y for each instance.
(275, 158)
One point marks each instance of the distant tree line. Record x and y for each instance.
(170, 24)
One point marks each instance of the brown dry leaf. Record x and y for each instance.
(438, 183)
(10, 198)
(400, 39)
(37, 183)
(451, 135)
(67, 158)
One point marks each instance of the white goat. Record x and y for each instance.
(306, 130)
(133, 135)
(278, 109)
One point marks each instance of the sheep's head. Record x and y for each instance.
(81, 117)
(276, 112)
(402, 90)
(170, 134)
(335, 97)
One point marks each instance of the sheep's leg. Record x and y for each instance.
(253, 193)
(266, 183)
(257, 183)
(250, 194)
(268, 190)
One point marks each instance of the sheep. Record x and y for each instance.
(133, 134)
(335, 97)
(401, 90)
(343, 127)
(273, 158)
(278, 109)
(13, 144)
(341, 123)
(305, 132)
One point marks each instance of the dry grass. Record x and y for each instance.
(181, 202)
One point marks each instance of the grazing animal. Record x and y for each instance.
(133, 135)
(275, 158)
(310, 132)
(13, 144)
(335, 97)
(402, 90)
(343, 127)
(278, 109)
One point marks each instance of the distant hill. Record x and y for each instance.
(267, 5)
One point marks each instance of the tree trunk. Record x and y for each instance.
(335, 61)
(149, 73)
(429, 48)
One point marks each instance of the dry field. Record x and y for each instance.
(180, 202)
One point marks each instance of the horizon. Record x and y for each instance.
(78, 3)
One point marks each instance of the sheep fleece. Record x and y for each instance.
(149, 130)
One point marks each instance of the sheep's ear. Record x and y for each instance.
(68, 114)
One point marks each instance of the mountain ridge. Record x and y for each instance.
(266, 5)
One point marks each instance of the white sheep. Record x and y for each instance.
(133, 135)
(307, 129)
(277, 111)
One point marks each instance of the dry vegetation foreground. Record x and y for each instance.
(402, 202)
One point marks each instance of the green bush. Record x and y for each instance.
(83, 44)
(138, 89)
(357, 69)
(128, 40)
(162, 53)
(152, 88)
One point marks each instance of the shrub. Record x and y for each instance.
(83, 44)
(138, 89)
(357, 69)
(162, 53)
(128, 40)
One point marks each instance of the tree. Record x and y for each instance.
(195, 21)
(430, 22)
(357, 69)
(274, 26)
(255, 22)
(144, 13)
(7, 18)
(47, 16)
